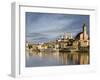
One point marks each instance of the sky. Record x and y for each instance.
(44, 27)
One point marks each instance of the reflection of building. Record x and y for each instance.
(64, 58)
(84, 59)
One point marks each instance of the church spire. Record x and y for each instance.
(84, 28)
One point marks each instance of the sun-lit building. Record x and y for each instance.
(83, 37)
(67, 35)
(65, 42)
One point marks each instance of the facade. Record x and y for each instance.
(84, 38)
(65, 43)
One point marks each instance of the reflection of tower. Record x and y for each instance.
(84, 59)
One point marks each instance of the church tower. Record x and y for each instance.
(84, 28)
(84, 32)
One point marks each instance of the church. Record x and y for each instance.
(83, 38)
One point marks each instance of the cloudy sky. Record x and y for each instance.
(43, 27)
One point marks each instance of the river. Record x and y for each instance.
(39, 59)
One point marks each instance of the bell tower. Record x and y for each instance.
(84, 32)
(84, 28)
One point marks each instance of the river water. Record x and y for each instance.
(37, 59)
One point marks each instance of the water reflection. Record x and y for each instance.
(34, 59)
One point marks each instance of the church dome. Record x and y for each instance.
(81, 36)
(77, 37)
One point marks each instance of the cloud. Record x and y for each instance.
(35, 34)
(47, 26)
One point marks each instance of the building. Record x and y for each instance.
(82, 39)
(67, 35)
(65, 42)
